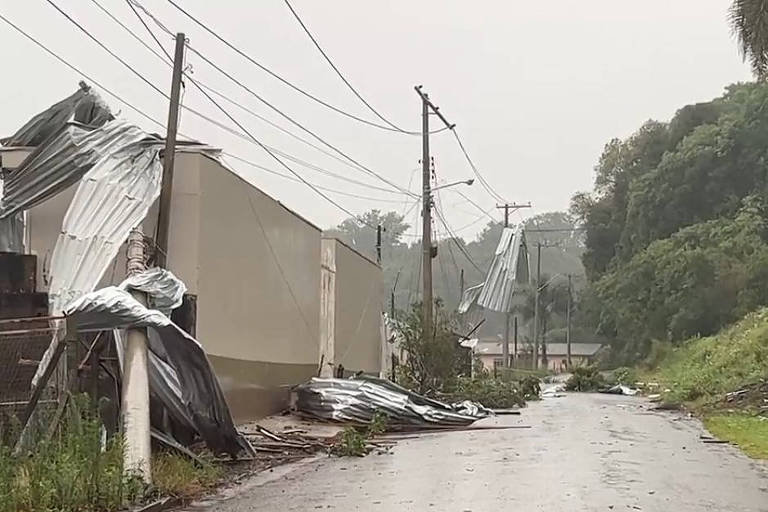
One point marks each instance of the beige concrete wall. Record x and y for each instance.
(258, 284)
(44, 223)
(258, 309)
(358, 311)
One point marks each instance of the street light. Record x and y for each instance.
(465, 182)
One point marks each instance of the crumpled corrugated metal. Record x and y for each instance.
(84, 106)
(508, 271)
(65, 158)
(357, 400)
(120, 174)
(181, 378)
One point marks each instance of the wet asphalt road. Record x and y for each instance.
(583, 452)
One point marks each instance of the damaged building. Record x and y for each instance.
(251, 266)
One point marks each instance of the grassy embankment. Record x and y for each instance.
(703, 374)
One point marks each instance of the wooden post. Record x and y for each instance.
(166, 192)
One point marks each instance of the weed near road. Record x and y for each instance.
(76, 470)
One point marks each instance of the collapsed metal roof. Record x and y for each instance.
(509, 271)
(118, 172)
(84, 107)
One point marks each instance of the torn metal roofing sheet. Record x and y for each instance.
(64, 159)
(508, 272)
(359, 399)
(469, 298)
(181, 378)
(84, 106)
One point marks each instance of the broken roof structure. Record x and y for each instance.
(117, 170)
(509, 271)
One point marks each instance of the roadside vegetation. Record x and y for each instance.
(78, 469)
(724, 379)
(438, 366)
(355, 441)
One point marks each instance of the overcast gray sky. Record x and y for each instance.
(535, 88)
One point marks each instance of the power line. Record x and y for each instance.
(162, 93)
(291, 178)
(296, 123)
(358, 165)
(168, 61)
(475, 170)
(454, 238)
(479, 208)
(219, 94)
(108, 91)
(254, 139)
(277, 158)
(81, 73)
(278, 77)
(338, 72)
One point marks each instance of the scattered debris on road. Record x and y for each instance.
(356, 401)
(620, 389)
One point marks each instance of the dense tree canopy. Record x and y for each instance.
(675, 226)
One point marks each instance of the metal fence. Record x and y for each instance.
(23, 341)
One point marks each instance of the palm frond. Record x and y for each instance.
(749, 24)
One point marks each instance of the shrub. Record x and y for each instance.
(530, 386)
(585, 378)
(491, 392)
(352, 444)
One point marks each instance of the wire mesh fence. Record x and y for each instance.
(23, 341)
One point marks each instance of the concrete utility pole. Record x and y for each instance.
(568, 324)
(505, 345)
(166, 192)
(135, 392)
(426, 207)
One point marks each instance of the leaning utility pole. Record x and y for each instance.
(166, 192)
(505, 346)
(137, 452)
(568, 325)
(536, 308)
(426, 207)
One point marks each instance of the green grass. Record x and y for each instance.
(71, 472)
(750, 433)
(75, 472)
(702, 370)
(180, 476)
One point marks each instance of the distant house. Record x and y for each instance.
(490, 353)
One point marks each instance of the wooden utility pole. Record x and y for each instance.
(505, 345)
(426, 217)
(515, 326)
(461, 285)
(568, 324)
(426, 207)
(511, 207)
(378, 244)
(166, 192)
(536, 308)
